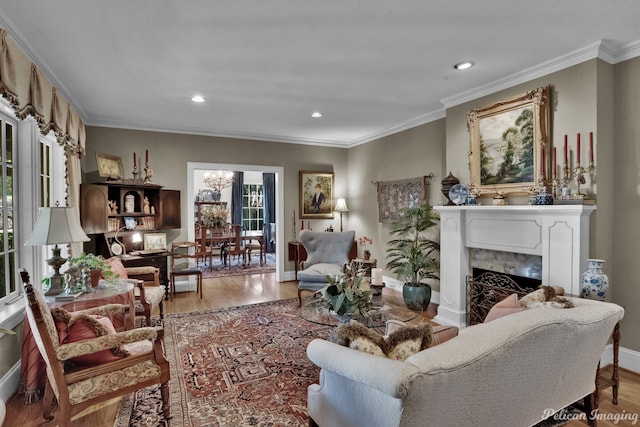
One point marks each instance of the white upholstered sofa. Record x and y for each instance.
(507, 372)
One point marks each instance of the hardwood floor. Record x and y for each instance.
(239, 290)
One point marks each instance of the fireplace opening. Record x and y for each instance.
(485, 288)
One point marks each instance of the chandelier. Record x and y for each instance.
(217, 180)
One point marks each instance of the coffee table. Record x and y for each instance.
(316, 312)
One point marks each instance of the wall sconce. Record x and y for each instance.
(56, 225)
(341, 207)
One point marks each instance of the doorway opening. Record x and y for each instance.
(195, 170)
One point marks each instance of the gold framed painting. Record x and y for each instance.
(109, 166)
(509, 145)
(316, 194)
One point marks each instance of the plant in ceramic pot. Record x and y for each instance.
(94, 266)
(345, 295)
(365, 241)
(413, 256)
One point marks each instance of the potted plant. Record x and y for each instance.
(364, 242)
(93, 265)
(345, 295)
(413, 256)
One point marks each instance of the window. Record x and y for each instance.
(8, 251)
(252, 207)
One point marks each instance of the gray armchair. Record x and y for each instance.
(327, 253)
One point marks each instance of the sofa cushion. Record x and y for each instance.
(323, 247)
(317, 272)
(507, 306)
(398, 345)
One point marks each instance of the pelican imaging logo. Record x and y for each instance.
(567, 415)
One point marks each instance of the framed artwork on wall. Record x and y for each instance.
(509, 144)
(316, 194)
(155, 242)
(109, 166)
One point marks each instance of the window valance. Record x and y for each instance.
(30, 93)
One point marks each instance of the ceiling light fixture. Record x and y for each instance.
(198, 98)
(463, 65)
(316, 114)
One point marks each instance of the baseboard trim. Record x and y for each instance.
(9, 382)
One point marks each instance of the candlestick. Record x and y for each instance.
(566, 154)
(134, 160)
(578, 151)
(590, 147)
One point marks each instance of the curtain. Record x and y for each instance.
(236, 197)
(74, 177)
(30, 93)
(269, 190)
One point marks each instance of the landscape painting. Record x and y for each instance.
(507, 143)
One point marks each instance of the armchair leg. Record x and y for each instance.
(164, 392)
(161, 308)
(47, 402)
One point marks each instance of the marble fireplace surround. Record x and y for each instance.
(559, 234)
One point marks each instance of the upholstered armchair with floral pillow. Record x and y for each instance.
(149, 293)
(87, 361)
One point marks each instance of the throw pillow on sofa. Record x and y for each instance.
(507, 306)
(546, 297)
(399, 345)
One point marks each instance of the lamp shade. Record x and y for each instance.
(341, 205)
(56, 225)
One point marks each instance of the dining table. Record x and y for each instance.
(227, 237)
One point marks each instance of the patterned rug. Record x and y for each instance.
(228, 369)
(235, 267)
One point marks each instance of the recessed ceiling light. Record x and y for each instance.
(198, 98)
(316, 114)
(463, 65)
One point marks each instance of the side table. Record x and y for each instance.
(603, 382)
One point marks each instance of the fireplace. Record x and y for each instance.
(558, 235)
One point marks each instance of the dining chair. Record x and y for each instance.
(140, 362)
(184, 262)
(237, 247)
(258, 245)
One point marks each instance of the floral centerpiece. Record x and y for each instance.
(364, 241)
(215, 217)
(345, 295)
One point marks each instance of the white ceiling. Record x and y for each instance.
(372, 67)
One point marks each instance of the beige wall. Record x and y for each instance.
(170, 153)
(592, 96)
(626, 196)
(408, 154)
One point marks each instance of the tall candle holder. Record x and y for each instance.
(135, 172)
(565, 190)
(555, 185)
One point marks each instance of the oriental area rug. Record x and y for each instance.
(235, 267)
(229, 369)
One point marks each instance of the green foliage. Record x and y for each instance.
(411, 255)
(344, 294)
(93, 262)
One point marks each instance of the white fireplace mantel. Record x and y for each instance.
(558, 233)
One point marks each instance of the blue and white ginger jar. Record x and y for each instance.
(595, 282)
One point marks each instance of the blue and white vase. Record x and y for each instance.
(595, 282)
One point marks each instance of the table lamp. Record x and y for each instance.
(56, 225)
(341, 206)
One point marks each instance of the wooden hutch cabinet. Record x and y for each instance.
(104, 207)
